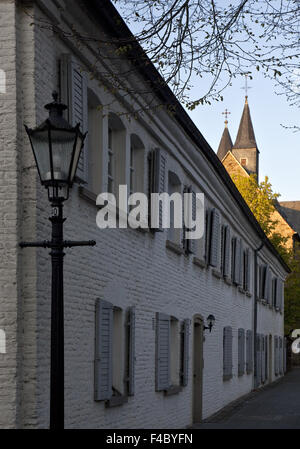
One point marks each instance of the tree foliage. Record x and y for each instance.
(292, 296)
(261, 200)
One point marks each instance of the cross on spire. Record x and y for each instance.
(226, 113)
(246, 86)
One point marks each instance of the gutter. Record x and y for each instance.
(256, 251)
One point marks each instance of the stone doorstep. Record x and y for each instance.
(235, 405)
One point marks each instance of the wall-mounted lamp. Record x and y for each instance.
(210, 321)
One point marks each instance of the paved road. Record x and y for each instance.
(276, 407)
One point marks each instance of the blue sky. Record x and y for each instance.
(279, 147)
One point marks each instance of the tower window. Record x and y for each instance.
(244, 161)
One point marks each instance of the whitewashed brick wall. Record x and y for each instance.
(126, 268)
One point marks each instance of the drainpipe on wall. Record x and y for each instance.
(256, 251)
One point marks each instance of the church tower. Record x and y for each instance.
(226, 142)
(245, 148)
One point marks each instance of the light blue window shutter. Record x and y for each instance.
(278, 294)
(215, 238)
(241, 352)
(276, 354)
(227, 352)
(241, 266)
(266, 357)
(258, 359)
(281, 297)
(227, 248)
(280, 356)
(185, 352)
(159, 180)
(103, 350)
(237, 260)
(192, 243)
(163, 343)
(249, 355)
(74, 94)
(185, 242)
(208, 221)
(267, 284)
(263, 359)
(248, 271)
(131, 351)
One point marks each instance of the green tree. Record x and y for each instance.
(292, 296)
(261, 200)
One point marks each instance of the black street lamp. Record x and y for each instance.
(57, 146)
(210, 321)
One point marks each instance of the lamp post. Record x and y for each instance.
(56, 146)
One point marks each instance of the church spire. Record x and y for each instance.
(245, 137)
(226, 142)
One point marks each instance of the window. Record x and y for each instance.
(136, 176)
(156, 183)
(111, 361)
(95, 143)
(172, 348)
(244, 161)
(111, 163)
(116, 154)
(241, 352)
(227, 353)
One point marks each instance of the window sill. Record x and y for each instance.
(177, 249)
(88, 195)
(116, 401)
(227, 281)
(241, 290)
(174, 389)
(227, 377)
(216, 273)
(199, 262)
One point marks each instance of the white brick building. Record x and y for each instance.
(149, 382)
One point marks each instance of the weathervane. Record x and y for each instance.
(226, 113)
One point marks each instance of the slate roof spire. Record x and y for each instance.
(245, 137)
(226, 142)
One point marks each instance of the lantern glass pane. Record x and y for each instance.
(40, 144)
(76, 157)
(62, 150)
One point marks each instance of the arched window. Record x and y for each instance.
(116, 167)
(2, 82)
(137, 151)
